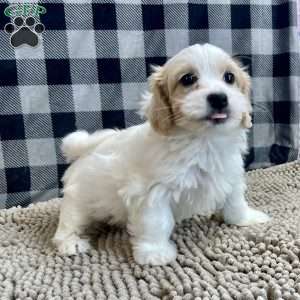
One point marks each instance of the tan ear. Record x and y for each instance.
(246, 120)
(159, 113)
(245, 83)
(245, 86)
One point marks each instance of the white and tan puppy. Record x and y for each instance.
(186, 159)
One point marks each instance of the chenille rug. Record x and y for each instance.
(215, 261)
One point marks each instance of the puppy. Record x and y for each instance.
(186, 159)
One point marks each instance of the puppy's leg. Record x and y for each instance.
(236, 210)
(72, 223)
(151, 226)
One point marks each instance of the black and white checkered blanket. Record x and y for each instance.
(90, 68)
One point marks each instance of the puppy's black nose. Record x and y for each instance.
(217, 101)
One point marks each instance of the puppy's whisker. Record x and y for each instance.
(174, 117)
(178, 117)
(167, 119)
(164, 108)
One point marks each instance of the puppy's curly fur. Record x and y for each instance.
(186, 159)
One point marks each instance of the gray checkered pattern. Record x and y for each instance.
(91, 66)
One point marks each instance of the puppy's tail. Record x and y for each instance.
(80, 142)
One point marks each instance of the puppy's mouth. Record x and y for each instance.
(218, 117)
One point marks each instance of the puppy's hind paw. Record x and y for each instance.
(154, 254)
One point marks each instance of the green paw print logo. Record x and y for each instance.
(25, 29)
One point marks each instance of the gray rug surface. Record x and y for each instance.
(215, 261)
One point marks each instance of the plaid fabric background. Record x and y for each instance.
(298, 4)
(91, 65)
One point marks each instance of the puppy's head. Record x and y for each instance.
(201, 87)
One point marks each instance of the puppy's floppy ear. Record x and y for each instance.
(159, 112)
(245, 86)
(244, 62)
(246, 120)
(244, 82)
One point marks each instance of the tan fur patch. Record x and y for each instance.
(246, 120)
(160, 112)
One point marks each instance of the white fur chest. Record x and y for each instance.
(202, 176)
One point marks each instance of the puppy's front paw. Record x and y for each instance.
(252, 217)
(154, 254)
(73, 246)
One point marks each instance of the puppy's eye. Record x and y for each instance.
(229, 78)
(188, 79)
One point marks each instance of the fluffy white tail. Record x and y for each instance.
(80, 142)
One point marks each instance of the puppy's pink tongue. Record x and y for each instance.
(218, 116)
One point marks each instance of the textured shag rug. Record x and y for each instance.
(215, 261)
